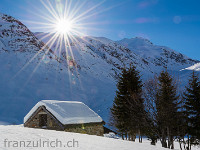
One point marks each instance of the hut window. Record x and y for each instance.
(43, 120)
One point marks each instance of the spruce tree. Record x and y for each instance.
(167, 108)
(192, 109)
(182, 124)
(135, 101)
(128, 108)
(119, 110)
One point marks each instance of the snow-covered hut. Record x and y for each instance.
(67, 116)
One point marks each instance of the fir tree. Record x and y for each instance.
(135, 101)
(128, 108)
(119, 110)
(167, 108)
(192, 109)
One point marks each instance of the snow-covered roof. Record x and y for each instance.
(67, 112)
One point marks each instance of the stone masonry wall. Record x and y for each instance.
(90, 128)
(51, 123)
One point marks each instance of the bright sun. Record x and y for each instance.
(64, 26)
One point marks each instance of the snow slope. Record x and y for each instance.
(195, 67)
(158, 55)
(85, 142)
(67, 112)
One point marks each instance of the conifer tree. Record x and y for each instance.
(182, 124)
(135, 101)
(128, 108)
(192, 109)
(167, 108)
(119, 111)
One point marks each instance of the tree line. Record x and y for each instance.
(157, 109)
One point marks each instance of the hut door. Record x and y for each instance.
(43, 120)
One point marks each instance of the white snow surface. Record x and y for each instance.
(195, 67)
(85, 142)
(67, 112)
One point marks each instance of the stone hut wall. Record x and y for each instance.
(89, 128)
(51, 122)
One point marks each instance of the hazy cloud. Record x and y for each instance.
(146, 20)
(147, 3)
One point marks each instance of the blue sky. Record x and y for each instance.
(173, 23)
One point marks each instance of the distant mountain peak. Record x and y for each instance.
(137, 41)
(158, 55)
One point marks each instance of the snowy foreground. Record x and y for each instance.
(12, 136)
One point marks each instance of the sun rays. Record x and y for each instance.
(63, 22)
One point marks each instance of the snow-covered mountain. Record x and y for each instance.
(98, 56)
(158, 55)
(32, 71)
